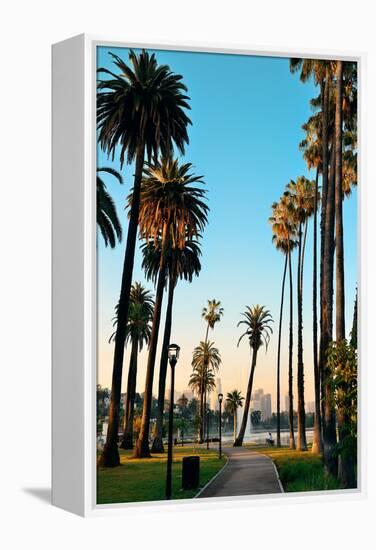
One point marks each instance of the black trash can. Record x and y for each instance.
(191, 472)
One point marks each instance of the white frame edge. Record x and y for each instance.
(74, 279)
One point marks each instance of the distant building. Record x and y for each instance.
(214, 404)
(188, 394)
(266, 408)
(287, 405)
(261, 401)
(177, 394)
(310, 407)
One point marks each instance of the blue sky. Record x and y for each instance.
(247, 113)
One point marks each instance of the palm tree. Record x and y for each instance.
(312, 154)
(107, 218)
(171, 211)
(212, 314)
(202, 377)
(206, 356)
(234, 400)
(142, 109)
(284, 229)
(281, 245)
(138, 333)
(257, 321)
(323, 74)
(206, 361)
(180, 264)
(301, 194)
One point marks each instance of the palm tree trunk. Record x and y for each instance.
(279, 357)
(203, 399)
(329, 419)
(110, 453)
(324, 87)
(127, 440)
(157, 446)
(340, 273)
(235, 424)
(239, 440)
(346, 466)
(142, 446)
(291, 398)
(302, 443)
(317, 441)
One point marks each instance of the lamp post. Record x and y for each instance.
(173, 356)
(207, 427)
(220, 399)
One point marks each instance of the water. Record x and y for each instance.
(259, 436)
(252, 435)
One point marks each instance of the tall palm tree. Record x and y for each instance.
(323, 75)
(284, 230)
(257, 320)
(311, 146)
(281, 245)
(141, 109)
(301, 194)
(180, 264)
(137, 333)
(234, 400)
(172, 210)
(212, 314)
(107, 218)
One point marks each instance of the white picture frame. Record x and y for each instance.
(74, 277)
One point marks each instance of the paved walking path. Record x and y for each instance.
(246, 473)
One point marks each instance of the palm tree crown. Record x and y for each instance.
(141, 310)
(168, 200)
(181, 263)
(234, 400)
(206, 356)
(145, 104)
(257, 320)
(107, 218)
(202, 379)
(212, 313)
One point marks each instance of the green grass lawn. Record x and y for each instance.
(300, 471)
(140, 480)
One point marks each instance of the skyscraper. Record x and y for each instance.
(214, 405)
(261, 401)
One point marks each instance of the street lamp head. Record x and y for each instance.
(220, 397)
(173, 352)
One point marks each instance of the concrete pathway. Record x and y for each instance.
(246, 473)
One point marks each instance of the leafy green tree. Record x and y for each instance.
(257, 320)
(140, 110)
(256, 418)
(342, 365)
